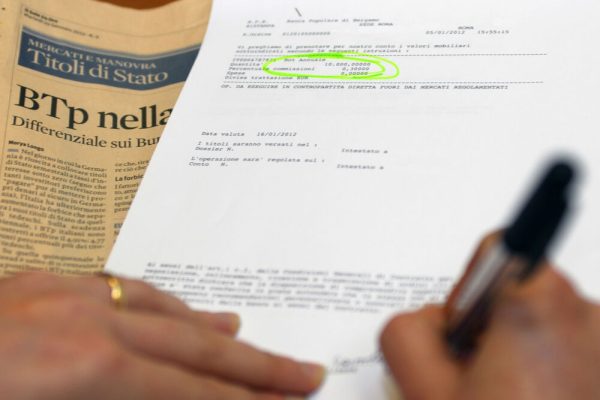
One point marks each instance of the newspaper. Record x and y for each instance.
(85, 91)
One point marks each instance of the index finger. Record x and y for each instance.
(206, 351)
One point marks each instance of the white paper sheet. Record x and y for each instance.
(319, 195)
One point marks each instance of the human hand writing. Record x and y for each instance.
(542, 342)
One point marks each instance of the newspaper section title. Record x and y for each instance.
(84, 64)
(74, 62)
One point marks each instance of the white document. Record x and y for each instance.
(317, 195)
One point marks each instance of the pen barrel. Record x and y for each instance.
(468, 312)
(514, 256)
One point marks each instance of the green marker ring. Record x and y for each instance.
(386, 69)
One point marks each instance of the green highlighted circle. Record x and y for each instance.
(386, 69)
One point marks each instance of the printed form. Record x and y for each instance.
(332, 163)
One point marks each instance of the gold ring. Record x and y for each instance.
(117, 294)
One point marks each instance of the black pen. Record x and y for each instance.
(514, 256)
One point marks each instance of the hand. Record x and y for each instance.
(542, 342)
(61, 338)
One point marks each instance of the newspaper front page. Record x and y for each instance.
(85, 91)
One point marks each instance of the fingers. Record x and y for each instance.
(164, 340)
(143, 297)
(87, 364)
(140, 297)
(546, 298)
(540, 326)
(146, 380)
(414, 347)
(208, 352)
